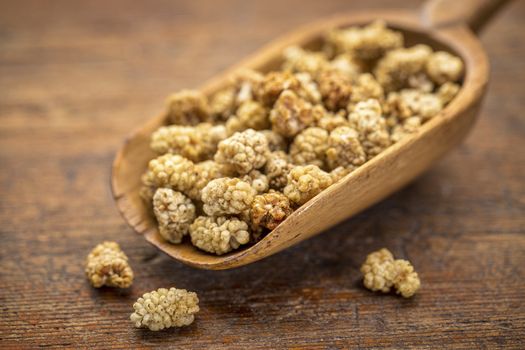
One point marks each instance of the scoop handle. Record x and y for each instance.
(474, 13)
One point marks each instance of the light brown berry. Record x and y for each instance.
(277, 168)
(381, 272)
(219, 235)
(343, 148)
(197, 143)
(368, 43)
(291, 114)
(305, 182)
(270, 209)
(165, 308)
(188, 107)
(243, 151)
(443, 67)
(309, 147)
(107, 265)
(368, 121)
(226, 196)
(174, 212)
(395, 69)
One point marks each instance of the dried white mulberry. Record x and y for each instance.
(174, 212)
(171, 171)
(297, 59)
(107, 265)
(309, 147)
(368, 121)
(188, 107)
(225, 196)
(367, 43)
(305, 182)
(335, 89)
(270, 209)
(275, 141)
(381, 272)
(197, 143)
(249, 115)
(257, 180)
(413, 103)
(223, 103)
(205, 172)
(243, 151)
(219, 235)
(395, 69)
(277, 168)
(444, 67)
(291, 114)
(343, 148)
(165, 308)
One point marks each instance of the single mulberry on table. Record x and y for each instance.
(264, 143)
(165, 308)
(381, 272)
(107, 265)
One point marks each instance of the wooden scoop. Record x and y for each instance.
(442, 24)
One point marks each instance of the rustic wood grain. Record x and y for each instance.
(76, 77)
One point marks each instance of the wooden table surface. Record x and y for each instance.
(76, 77)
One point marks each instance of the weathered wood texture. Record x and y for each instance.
(75, 78)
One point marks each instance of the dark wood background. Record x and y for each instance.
(76, 77)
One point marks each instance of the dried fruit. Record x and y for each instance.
(277, 168)
(243, 151)
(165, 308)
(291, 114)
(344, 149)
(225, 196)
(197, 143)
(267, 142)
(270, 209)
(381, 272)
(443, 67)
(257, 180)
(368, 121)
(171, 171)
(368, 43)
(174, 212)
(107, 265)
(188, 107)
(394, 70)
(219, 235)
(305, 182)
(298, 60)
(309, 147)
(335, 89)
(249, 115)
